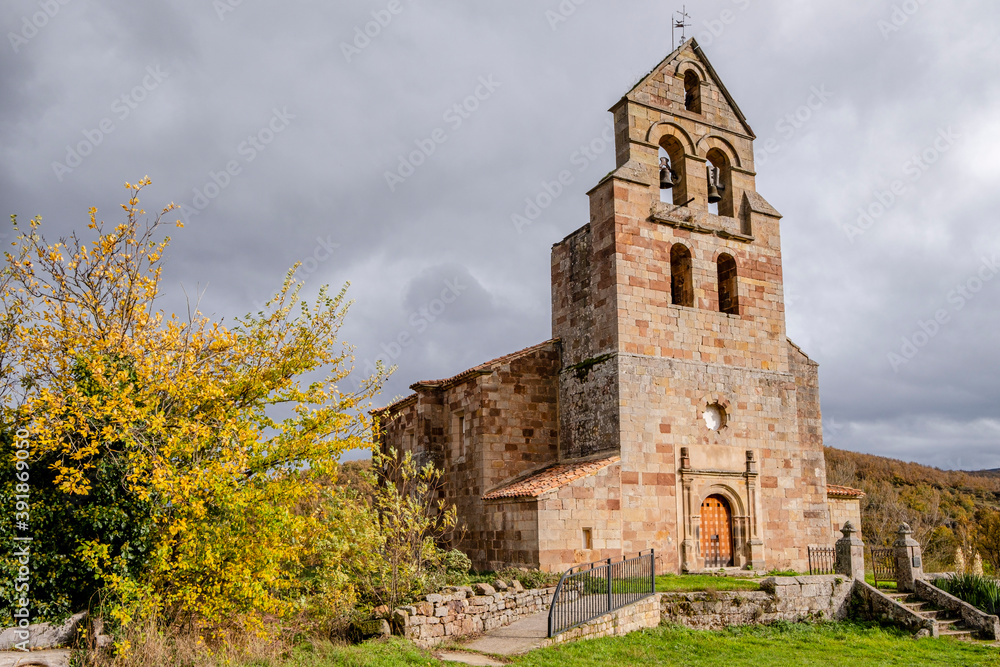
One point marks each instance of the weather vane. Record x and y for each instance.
(679, 23)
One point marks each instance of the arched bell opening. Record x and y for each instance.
(673, 184)
(720, 184)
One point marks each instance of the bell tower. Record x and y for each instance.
(670, 311)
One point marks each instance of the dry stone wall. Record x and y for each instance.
(467, 610)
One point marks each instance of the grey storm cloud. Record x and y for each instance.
(279, 126)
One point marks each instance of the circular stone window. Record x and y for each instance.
(715, 417)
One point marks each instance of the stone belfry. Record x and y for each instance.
(670, 312)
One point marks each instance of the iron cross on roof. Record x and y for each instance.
(679, 23)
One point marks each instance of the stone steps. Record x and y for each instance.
(949, 624)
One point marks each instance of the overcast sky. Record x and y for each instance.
(282, 126)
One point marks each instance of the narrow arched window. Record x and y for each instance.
(692, 92)
(729, 296)
(681, 287)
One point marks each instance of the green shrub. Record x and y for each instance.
(978, 590)
(456, 565)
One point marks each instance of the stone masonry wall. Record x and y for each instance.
(639, 616)
(482, 429)
(467, 610)
(592, 503)
(791, 599)
(843, 510)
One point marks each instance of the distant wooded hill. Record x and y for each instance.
(947, 509)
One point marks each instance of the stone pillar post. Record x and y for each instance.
(909, 559)
(755, 545)
(850, 553)
(689, 550)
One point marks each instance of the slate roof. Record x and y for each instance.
(551, 478)
(835, 491)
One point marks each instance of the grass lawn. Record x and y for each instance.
(797, 645)
(686, 583)
(782, 645)
(370, 654)
(888, 585)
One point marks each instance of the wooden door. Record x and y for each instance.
(716, 532)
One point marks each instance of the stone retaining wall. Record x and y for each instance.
(879, 607)
(986, 625)
(791, 599)
(467, 610)
(639, 616)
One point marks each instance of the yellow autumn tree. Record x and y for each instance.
(180, 445)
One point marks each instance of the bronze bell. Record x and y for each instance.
(713, 188)
(668, 177)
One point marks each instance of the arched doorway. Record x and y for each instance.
(716, 532)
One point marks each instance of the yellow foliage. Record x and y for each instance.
(213, 424)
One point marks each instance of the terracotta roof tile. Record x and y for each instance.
(835, 491)
(551, 478)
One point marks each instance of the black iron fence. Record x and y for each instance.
(883, 564)
(587, 591)
(822, 560)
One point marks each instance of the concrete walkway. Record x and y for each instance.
(519, 637)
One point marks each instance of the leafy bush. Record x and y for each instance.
(456, 565)
(383, 549)
(162, 480)
(528, 578)
(979, 591)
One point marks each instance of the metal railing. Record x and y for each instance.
(883, 564)
(822, 560)
(587, 591)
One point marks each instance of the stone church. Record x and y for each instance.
(669, 410)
